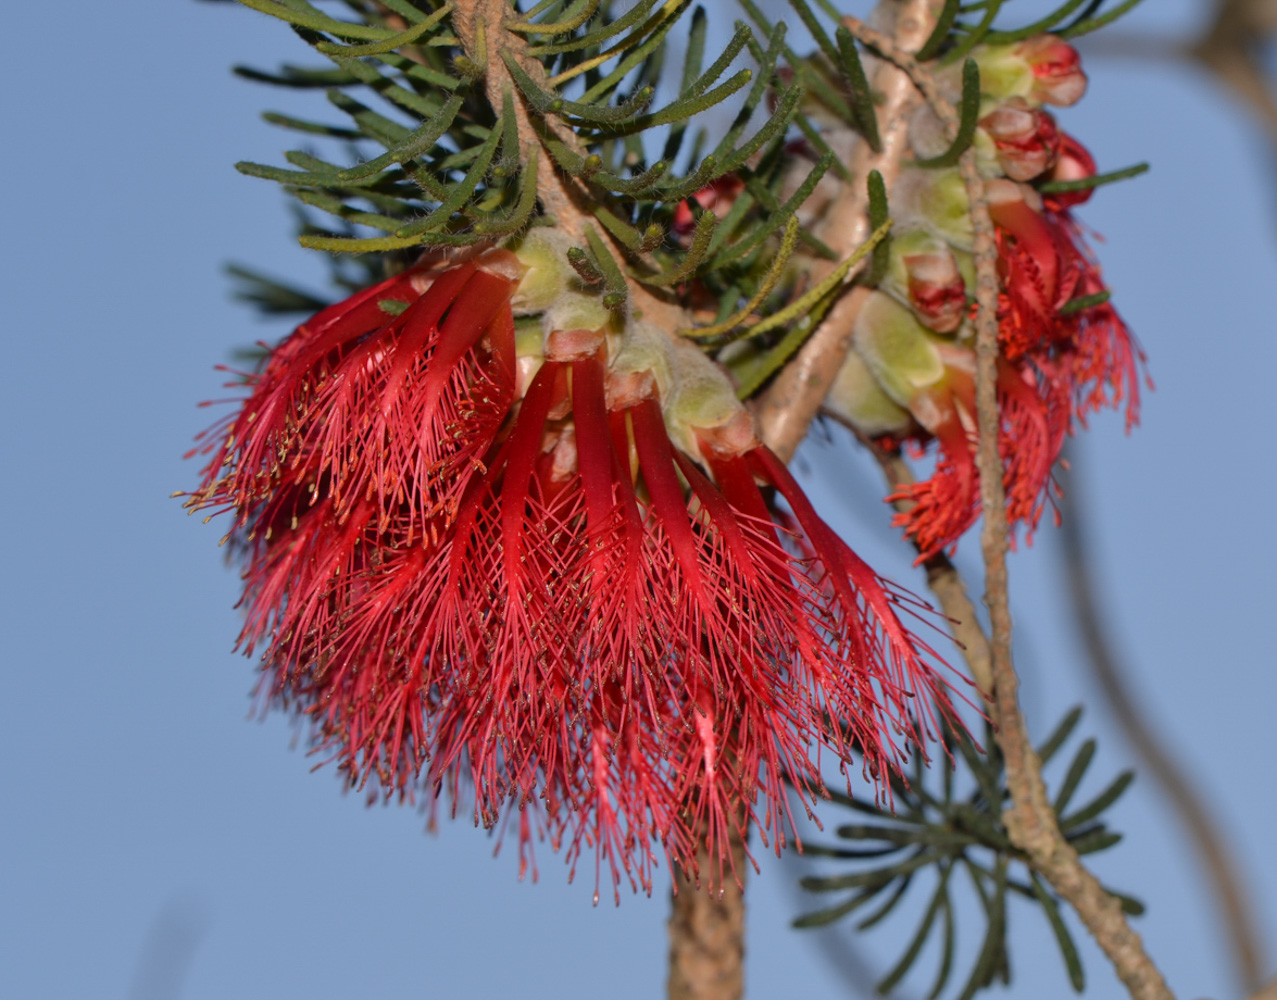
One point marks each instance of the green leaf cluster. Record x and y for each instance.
(959, 838)
(963, 26)
(424, 159)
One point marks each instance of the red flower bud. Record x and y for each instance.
(936, 290)
(1057, 70)
(1025, 137)
(1075, 164)
(718, 197)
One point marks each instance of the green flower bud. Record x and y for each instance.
(643, 349)
(1043, 69)
(576, 311)
(937, 200)
(543, 252)
(704, 400)
(1004, 72)
(857, 398)
(924, 274)
(900, 351)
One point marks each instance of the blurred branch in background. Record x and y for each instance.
(1243, 938)
(169, 950)
(1232, 46)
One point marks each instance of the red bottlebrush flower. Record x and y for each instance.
(1057, 366)
(1025, 137)
(1034, 421)
(1065, 353)
(357, 393)
(1045, 265)
(547, 599)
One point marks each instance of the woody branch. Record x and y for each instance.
(707, 921)
(1030, 819)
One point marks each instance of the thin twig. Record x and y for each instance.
(1267, 992)
(1208, 841)
(558, 198)
(1030, 820)
(1232, 47)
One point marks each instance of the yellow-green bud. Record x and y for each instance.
(899, 350)
(643, 348)
(576, 311)
(857, 398)
(543, 251)
(936, 199)
(703, 399)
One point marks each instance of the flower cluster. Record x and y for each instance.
(1065, 352)
(497, 536)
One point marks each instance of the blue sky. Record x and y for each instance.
(146, 816)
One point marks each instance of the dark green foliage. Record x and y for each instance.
(878, 215)
(861, 96)
(271, 296)
(955, 36)
(1038, 27)
(934, 831)
(940, 33)
(832, 76)
(974, 34)
(436, 165)
(1087, 183)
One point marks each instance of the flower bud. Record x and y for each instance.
(1045, 70)
(857, 398)
(897, 348)
(1057, 70)
(925, 274)
(643, 351)
(936, 200)
(1025, 138)
(547, 274)
(704, 399)
(1075, 164)
(937, 292)
(576, 311)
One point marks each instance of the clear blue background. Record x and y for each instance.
(155, 844)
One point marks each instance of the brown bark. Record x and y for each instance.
(1030, 820)
(707, 929)
(798, 392)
